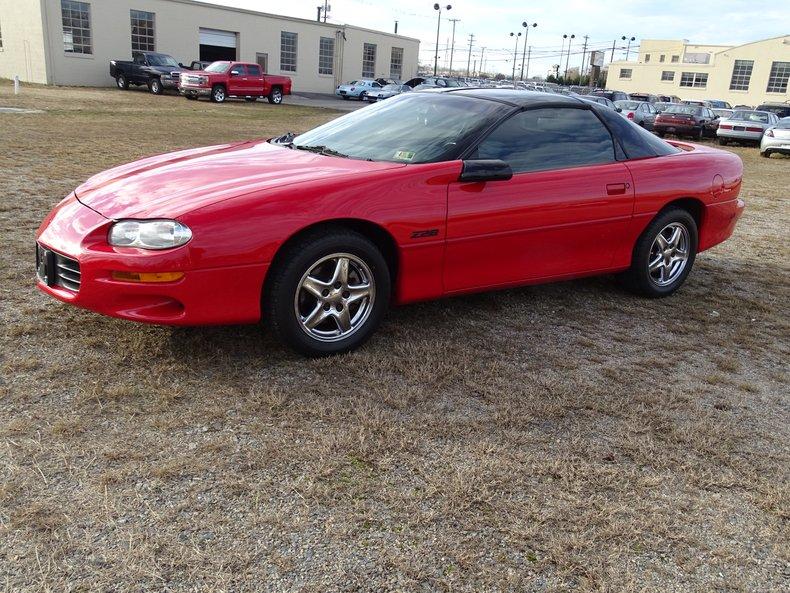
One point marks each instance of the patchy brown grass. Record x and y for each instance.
(553, 438)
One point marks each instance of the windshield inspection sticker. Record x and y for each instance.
(404, 155)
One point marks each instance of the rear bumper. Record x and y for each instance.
(720, 221)
(222, 295)
(739, 135)
(679, 129)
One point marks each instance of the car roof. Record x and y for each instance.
(515, 98)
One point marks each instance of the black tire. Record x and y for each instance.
(362, 96)
(191, 97)
(700, 136)
(345, 97)
(275, 96)
(122, 83)
(766, 154)
(218, 94)
(299, 258)
(661, 134)
(155, 86)
(250, 99)
(722, 141)
(638, 278)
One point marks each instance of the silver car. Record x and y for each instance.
(640, 112)
(776, 139)
(357, 88)
(385, 92)
(746, 126)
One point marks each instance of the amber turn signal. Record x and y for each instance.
(147, 276)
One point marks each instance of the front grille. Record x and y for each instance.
(191, 80)
(54, 269)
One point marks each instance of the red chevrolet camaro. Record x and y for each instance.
(421, 196)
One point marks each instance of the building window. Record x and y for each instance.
(675, 59)
(288, 43)
(661, 58)
(142, 30)
(396, 63)
(741, 74)
(668, 75)
(625, 73)
(697, 80)
(326, 55)
(369, 60)
(76, 27)
(647, 58)
(777, 80)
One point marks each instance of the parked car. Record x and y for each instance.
(663, 105)
(357, 88)
(199, 64)
(723, 113)
(718, 104)
(748, 126)
(646, 97)
(156, 70)
(669, 98)
(601, 100)
(776, 139)
(386, 92)
(222, 79)
(746, 107)
(613, 96)
(698, 102)
(483, 189)
(639, 112)
(779, 109)
(687, 120)
(441, 82)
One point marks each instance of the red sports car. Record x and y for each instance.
(425, 195)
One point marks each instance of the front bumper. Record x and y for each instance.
(194, 91)
(224, 295)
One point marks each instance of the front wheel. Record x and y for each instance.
(218, 93)
(275, 96)
(328, 293)
(122, 83)
(155, 86)
(664, 254)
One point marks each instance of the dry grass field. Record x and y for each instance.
(568, 437)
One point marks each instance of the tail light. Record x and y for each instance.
(769, 133)
(630, 115)
(725, 127)
(754, 129)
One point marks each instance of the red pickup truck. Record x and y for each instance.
(221, 80)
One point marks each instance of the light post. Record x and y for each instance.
(515, 56)
(628, 49)
(526, 26)
(438, 26)
(568, 59)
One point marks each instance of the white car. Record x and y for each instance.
(776, 139)
(746, 126)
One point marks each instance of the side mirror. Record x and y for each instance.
(618, 109)
(486, 170)
(234, 72)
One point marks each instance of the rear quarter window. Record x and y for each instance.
(637, 142)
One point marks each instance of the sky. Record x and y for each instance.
(722, 22)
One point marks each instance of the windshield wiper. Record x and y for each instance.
(320, 149)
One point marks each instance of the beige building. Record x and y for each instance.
(747, 74)
(70, 42)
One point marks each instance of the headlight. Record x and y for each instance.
(149, 234)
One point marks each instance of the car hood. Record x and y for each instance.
(170, 185)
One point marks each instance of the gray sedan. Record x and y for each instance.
(385, 92)
(640, 112)
(746, 126)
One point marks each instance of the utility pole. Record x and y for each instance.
(327, 8)
(474, 67)
(611, 59)
(469, 58)
(396, 27)
(452, 44)
(529, 55)
(584, 53)
(482, 62)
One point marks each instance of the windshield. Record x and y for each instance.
(391, 87)
(628, 105)
(684, 109)
(409, 128)
(750, 116)
(161, 60)
(218, 67)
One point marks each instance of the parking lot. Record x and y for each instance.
(567, 436)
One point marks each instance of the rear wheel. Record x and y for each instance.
(766, 154)
(122, 83)
(345, 97)
(722, 141)
(218, 93)
(700, 135)
(155, 86)
(664, 254)
(275, 96)
(328, 293)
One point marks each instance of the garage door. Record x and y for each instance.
(217, 45)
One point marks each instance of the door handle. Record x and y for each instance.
(615, 189)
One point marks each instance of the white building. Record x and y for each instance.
(70, 42)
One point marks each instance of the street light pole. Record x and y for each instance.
(628, 49)
(515, 56)
(568, 59)
(438, 26)
(452, 45)
(526, 25)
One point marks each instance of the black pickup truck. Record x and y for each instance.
(155, 70)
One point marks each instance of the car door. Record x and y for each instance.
(138, 71)
(650, 115)
(237, 80)
(255, 86)
(564, 212)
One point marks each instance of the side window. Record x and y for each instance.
(254, 70)
(237, 70)
(549, 138)
(139, 59)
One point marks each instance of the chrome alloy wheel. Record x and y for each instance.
(335, 297)
(669, 254)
